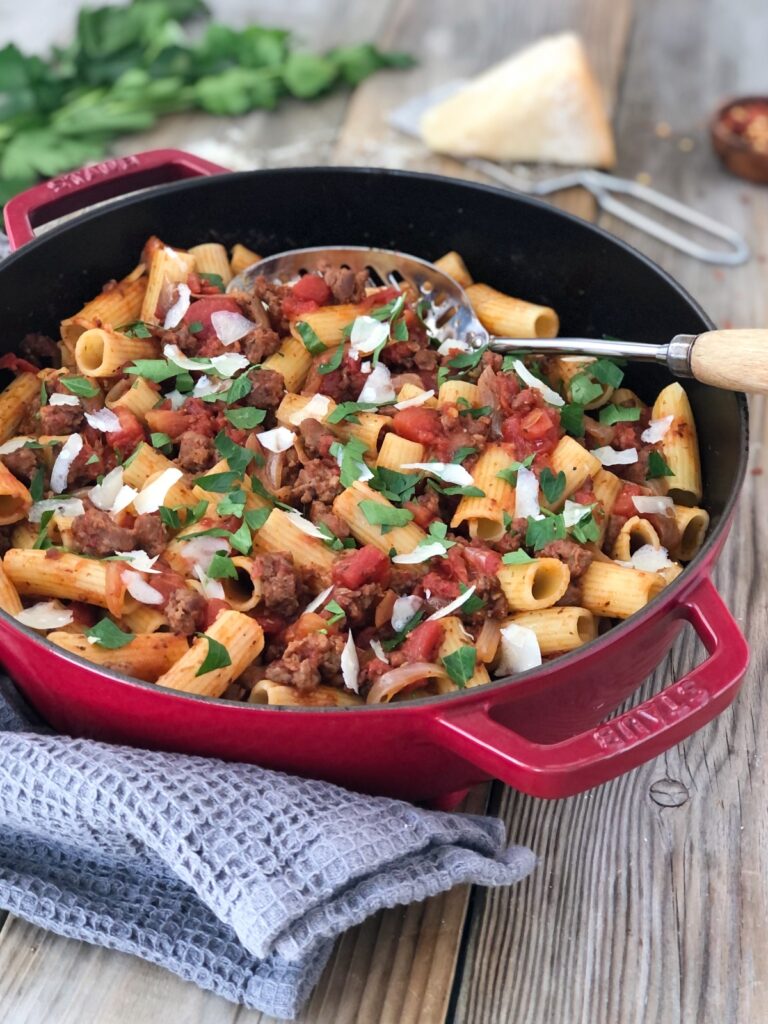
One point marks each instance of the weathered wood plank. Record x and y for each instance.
(650, 903)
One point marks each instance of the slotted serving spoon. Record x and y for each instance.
(736, 360)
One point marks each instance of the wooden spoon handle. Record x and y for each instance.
(736, 360)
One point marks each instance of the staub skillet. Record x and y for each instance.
(540, 731)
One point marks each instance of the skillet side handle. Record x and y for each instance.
(614, 747)
(114, 177)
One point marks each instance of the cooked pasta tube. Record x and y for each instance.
(292, 360)
(486, 515)
(267, 692)
(576, 462)
(147, 465)
(117, 305)
(15, 402)
(329, 322)
(103, 353)
(680, 446)
(693, 524)
(396, 451)
(368, 430)
(280, 533)
(24, 535)
(167, 269)
(347, 505)
(9, 596)
(244, 592)
(408, 391)
(565, 368)
(454, 390)
(670, 572)
(509, 317)
(635, 533)
(559, 629)
(617, 592)
(143, 618)
(60, 529)
(15, 499)
(239, 634)
(454, 637)
(290, 412)
(146, 657)
(211, 258)
(138, 399)
(242, 257)
(607, 487)
(68, 576)
(454, 266)
(533, 585)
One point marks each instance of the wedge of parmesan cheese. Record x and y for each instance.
(541, 105)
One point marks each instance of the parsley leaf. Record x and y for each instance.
(552, 486)
(232, 505)
(219, 483)
(541, 532)
(160, 441)
(352, 462)
(256, 517)
(329, 537)
(79, 386)
(312, 343)
(137, 329)
(460, 665)
(333, 363)
(572, 419)
(241, 539)
(347, 410)
(466, 490)
(238, 389)
(472, 604)
(215, 279)
(246, 418)
(238, 458)
(108, 635)
(583, 389)
(397, 639)
(384, 515)
(395, 486)
(43, 394)
(41, 541)
(157, 370)
(222, 567)
(195, 327)
(467, 360)
(463, 453)
(337, 612)
(586, 529)
(657, 466)
(607, 372)
(611, 414)
(509, 473)
(37, 484)
(217, 656)
(518, 557)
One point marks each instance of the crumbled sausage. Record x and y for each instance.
(61, 419)
(267, 389)
(319, 481)
(358, 605)
(40, 350)
(196, 452)
(22, 463)
(577, 558)
(317, 437)
(185, 611)
(260, 343)
(281, 588)
(96, 533)
(346, 285)
(149, 534)
(308, 662)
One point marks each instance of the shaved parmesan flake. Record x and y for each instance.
(532, 381)
(304, 525)
(319, 601)
(200, 550)
(230, 327)
(278, 440)
(228, 365)
(519, 650)
(408, 403)
(367, 334)
(125, 496)
(656, 430)
(103, 420)
(366, 367)
(450, 472)
(63, 400)
(65, 506)
(139, 589)
(450, 608)
(378, 650)
(45, 615)
(649, 559)
(652, 504)
(152, 495)
(13, 445)
(378, 387)
(451, 345)
(573, 513)
(527, 495)
(212, 589)
(139, 560)
(205, 386)
(175, 314)
(174, 355)
(103, 495)
(403, 611)
(611, 457)
(350, 664)
(176, 398)
(421, 553)
(60, 472)
(317, 408)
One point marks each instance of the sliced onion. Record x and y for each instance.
(175, 314)
(403, 678)
(450, 608)
(152, 495)
(63, 400)
(45, 615)
(652, 504)
(378, 387)
(228, 364)
(450, 472)
(573, 513)
(421, 553)
(519, 650)
(200, 550)
(488, 640)
(527, 495)
(453, 345)
(408, 403)
(139, 589)
(60, 472)
(213, 590)
(278, 440)
(174, 355)
(319, 601)
(64, 506)
(379, 651)
(367, 334)
(350, 664)
(230, 327)
(13, 445)
(304, 525)
(608, 456)
(532, 381)
(103, 420)
(273, 470)
(656, 430)
(403, 611)
(317, 408)
(139, 560)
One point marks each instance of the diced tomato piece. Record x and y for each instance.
(17, 365)
(482, 560)
(418, 424)
(508, 388)
(201, 311)
(366, 565)
(312, 288)
(423, 642)
(172, 422)
(294, 309)
(533, 427)
(131, 432)
(380, 298)
(212, 609)
(271, 624)
(626, 436)
(623, 506)
(440, 586)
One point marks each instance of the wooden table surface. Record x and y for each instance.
(650, 903)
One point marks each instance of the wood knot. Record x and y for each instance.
(668, 792)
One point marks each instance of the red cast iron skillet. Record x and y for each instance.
(539, 731)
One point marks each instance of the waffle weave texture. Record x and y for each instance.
(231, 876)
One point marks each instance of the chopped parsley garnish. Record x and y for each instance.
(400, 635)
(541, 532)
(232, 505)
(352, 463)
(80, 386)
(312, 343)
(37, 485)
(443, 374)
(583, 389)
(161, 441)
(157, 370)
(347, 410)
(462, 453)
(219, 483)
(215, 279)
(518, 557)
(137, 329)
(467, 409)
(334, 543)
(222, 567)
(460, 665)
(586, 529)
(337, 612)
(438, 532)
(389, 310)
(333, 363)
(256, 517)
(552, 486)
(246, 418)
(108, 635)
(384, 515)
(607, 372)
(238, 458)
(467, 360)
(195, 327)
(216, 657)
(92, 460)
(241, 539)
(572, 419)
(657, 466)
(611, 414)
(395, 486)
(465, 490)
(43, 394)
(509, 473)
(41, 541)
(237, 390)
(472, 604)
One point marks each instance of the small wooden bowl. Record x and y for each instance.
(736, 152)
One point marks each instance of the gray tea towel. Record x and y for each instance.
(233, 877)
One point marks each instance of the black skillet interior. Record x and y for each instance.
(598, 285)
